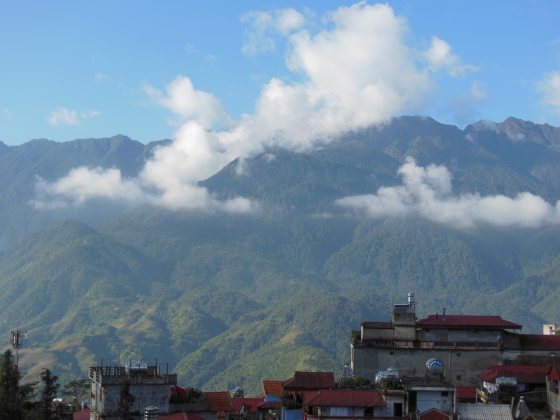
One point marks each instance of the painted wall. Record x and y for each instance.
(461, 367)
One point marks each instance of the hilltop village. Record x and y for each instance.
(441, 367)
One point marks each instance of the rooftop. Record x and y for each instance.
(465, 392)
(539, 342)
(219, 401)
(525, 374)
(344, 398)
(482, 322)
(251, 404)
(310, 381)
(377, 325)
(484, 411)
(273, 388)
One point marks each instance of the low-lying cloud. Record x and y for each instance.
(355, 71)
(427, 192)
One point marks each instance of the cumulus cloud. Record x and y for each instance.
(440, 57)
(261, 28)
(356, 70)
(549, 88)
(181, 98)
(67, 116)
(82, 184)
(427, 192)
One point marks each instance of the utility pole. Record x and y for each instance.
(16, 339)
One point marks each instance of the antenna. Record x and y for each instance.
(16, 339)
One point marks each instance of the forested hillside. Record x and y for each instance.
(231, 299)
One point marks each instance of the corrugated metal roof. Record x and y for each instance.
(273, 388)
(525, 374)
(484, 411)
(310, 381)
(486, 322)
(219, 401)
(344, 398)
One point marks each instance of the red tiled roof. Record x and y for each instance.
(344, 398)
(525, 374)
(310, 381)
(465, 392)
(483, 322)
(219, 401)
(81, 415)
(554, 374)
(274, 388)
(539, 342)
(251, 404)
(269, 406)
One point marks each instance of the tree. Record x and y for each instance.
(77, 390)
(48, 394)
(126, 400)
(11, 398)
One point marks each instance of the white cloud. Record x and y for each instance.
(427, 192)
(288, 20)
(183, 99)
(82, 184)
(67, 116)
(549, 88)
(101, 77)
(478, 92)
(355, 71)
(440, 57)
(262, 27)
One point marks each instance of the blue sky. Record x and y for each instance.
(95, 69)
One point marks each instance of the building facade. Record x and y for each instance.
(466, 344)
(146, 383)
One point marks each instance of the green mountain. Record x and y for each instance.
(230, 300)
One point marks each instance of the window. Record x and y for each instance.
(444, 393)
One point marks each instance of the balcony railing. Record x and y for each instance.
(421, 345)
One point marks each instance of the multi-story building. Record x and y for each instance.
(465, 344)
(149, 386)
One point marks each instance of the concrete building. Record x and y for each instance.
(466, 344)
(148, 385)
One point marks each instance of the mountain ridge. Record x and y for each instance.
(228, 299)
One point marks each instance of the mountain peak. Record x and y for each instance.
(519, 131)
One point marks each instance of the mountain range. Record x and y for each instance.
(231, 299)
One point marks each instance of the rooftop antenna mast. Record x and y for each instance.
(16, 339)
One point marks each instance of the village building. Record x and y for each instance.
(345, 403)
(465, 344)
(552, 391)
(148, 385)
